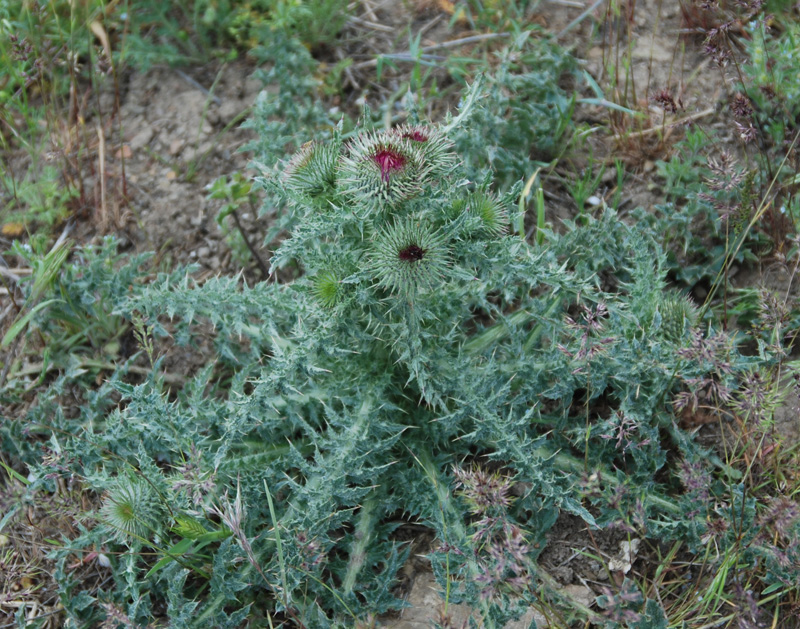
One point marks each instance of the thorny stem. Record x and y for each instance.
(364, 533)
(37, 368)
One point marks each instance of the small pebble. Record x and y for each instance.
(252, 87)
(176, 146)
(141, 139)
(230, 109)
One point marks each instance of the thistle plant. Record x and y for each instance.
(401, 348)
(678, 315)
(419, 335)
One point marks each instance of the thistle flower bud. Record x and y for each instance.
(409, 256)
(487, 208)
(327, 288)
(678, 315)
(131, 509)
(382, 168)
(312, 170)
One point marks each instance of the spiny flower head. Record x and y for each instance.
(312, 170)
(131, 510)
(678, 315)
(489, 211)
(382, 168)
(408, 256)
(485, 491)
(327, 288)
(437, 151)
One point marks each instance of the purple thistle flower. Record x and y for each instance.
(383, 168)
(412, 253)
(436, 150)
(389, 161)
(415, 134)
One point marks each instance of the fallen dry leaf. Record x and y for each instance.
(626, 556)
(13, 229)
(100, 32)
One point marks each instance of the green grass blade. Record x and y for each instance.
(18, 326)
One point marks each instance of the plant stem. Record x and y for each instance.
(261, 265)
(367, 518)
